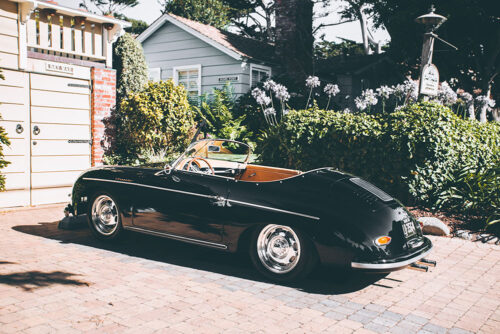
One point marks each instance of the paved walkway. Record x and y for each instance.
(65, 281)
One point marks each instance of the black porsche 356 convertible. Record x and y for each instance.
(287, 220)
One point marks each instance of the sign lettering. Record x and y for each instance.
(57, 67)
(429, 80)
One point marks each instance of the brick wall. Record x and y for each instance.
(103, 100)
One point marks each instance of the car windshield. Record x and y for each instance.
(217, 149)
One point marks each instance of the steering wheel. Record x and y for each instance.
(205, 161)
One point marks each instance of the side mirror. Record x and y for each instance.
(165, 171)
(213, 148)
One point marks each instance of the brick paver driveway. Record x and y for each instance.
(65, 281)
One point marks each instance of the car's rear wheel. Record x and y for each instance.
(282, 253)
(104, 216)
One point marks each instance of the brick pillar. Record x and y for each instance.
(103, 100)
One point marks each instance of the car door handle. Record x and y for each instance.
(218, 201)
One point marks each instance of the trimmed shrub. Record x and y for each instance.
(131, 67)
(156, 119)
(3, 141)
(412, 153)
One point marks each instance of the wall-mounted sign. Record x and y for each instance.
(234, 78)
(60, 68)
(429, 81)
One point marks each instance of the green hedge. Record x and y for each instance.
(413, 153)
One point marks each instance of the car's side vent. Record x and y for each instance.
(372, 189)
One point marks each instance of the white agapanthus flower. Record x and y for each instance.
(332, 90)
(446, 95)
(399, 90)
(360, 103)
(269, 111)
(411, 89)
(346, 111)
(269, 85)
(467, 97)
(369, 97)
(285, 112)
(281, 92)
(312, 81)
(484, 100)
(384, 91)
(261, 97)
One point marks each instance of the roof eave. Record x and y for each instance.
(165, 17)
(76, 12)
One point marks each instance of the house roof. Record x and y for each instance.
(234, 45)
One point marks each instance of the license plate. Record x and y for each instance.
(409, 229)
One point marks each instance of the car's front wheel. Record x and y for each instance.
(282, 253)
(104, 216)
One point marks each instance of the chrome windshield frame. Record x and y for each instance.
(173, 166)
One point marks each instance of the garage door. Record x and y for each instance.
(60, 136)
(14, 109)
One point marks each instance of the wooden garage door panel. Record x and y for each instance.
(59, 100)
(58, 115)
(14, 198)
(10, 94)
(59, 147)
(10, 128)
(50, 195)
(17, 147)
(14, 78)
(62, 163)
(13, 112)
(61, 131)
(17, 181)
(54, 179)
(59, 84)
(17, 164)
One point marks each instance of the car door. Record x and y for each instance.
(182, 203)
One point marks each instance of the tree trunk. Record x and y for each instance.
(294, 38)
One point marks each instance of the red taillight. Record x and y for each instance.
(382, 241)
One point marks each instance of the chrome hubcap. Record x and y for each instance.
(278, 248)
(104, 215)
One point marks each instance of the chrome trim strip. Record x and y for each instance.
(177, 237)
(148, 186)
(206, 196)
(274, 209)
(394, 265)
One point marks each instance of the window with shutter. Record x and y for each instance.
(258, 73)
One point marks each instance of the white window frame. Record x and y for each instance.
(259, 67)
(176, 70)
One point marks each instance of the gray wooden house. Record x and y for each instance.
(202, 57)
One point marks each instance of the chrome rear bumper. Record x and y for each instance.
(390, 265)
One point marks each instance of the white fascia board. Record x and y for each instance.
(159, 22)
(76, 12)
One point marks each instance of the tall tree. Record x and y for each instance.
(107, 7)
(213, 12)
(472, 25)
(253, 18)
(294, 38)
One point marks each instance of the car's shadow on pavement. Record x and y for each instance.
(323, 280)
